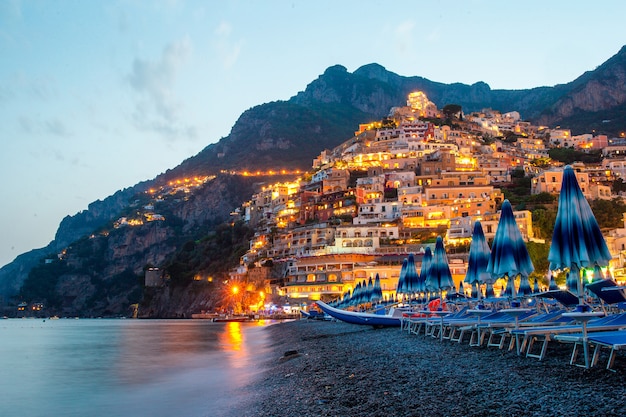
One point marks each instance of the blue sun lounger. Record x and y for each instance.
(608, 291)
(614, 340)
(546, 333)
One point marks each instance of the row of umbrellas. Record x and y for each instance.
(369, 292)
(435, 275)
(577, 244)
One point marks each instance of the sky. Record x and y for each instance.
(96, 96)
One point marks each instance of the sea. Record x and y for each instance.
(126, 367)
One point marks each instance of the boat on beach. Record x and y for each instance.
(392, 318)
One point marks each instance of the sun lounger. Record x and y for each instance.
(499, 332)
(544, 334)
(614, 340)
(566, 298)
(457, 329)
(608, 291)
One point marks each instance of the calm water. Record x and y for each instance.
(126, 367)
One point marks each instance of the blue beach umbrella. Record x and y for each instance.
(478, 260)
(412, 277)
(426, 261)
(364, 296)
(536, 286)
(552, 283)
(524, 286)
(439, 276)
(509, 255)
(577, 241)
(369, 291)
(401, 287)
(377, 292)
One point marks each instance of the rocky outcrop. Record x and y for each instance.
(602, 89)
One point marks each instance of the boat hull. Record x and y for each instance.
(353, 317)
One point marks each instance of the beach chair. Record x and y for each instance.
(564, 297)
(607, 291)
(545, 334)
(613, 339)
(492, 325)
(467, 325)
(499, 332)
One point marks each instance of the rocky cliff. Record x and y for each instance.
(102, 273)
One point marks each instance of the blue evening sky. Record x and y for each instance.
(96, 96)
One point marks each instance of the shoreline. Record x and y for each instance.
(320, 368)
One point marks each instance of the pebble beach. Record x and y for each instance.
(327, 368)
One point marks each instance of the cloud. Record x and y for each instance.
(227, 49)
(157, 107)
(51, 126)
(56, 127)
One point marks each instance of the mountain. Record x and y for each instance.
(288, 135)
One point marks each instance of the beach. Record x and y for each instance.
(319, 368)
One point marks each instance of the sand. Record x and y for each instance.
(319, 368)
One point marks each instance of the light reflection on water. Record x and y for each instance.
(115, 367)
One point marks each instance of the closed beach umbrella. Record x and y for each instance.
(377, 292)
(369, 292)
(509, 255)
(426, 261)
(524, 286)
(412, 277)
(552, 284)
(401, 287)
(439, 276)
(536, 286)
(478, 260)
(577, 241)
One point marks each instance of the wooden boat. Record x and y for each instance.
(354, 317)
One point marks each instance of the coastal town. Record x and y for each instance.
(400, 182)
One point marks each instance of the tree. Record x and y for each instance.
(543, 223)
(539, 256)
(608, 213)
(618, 186)
(452, 110)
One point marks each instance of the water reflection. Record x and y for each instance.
(232, 338)
(116, 367)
